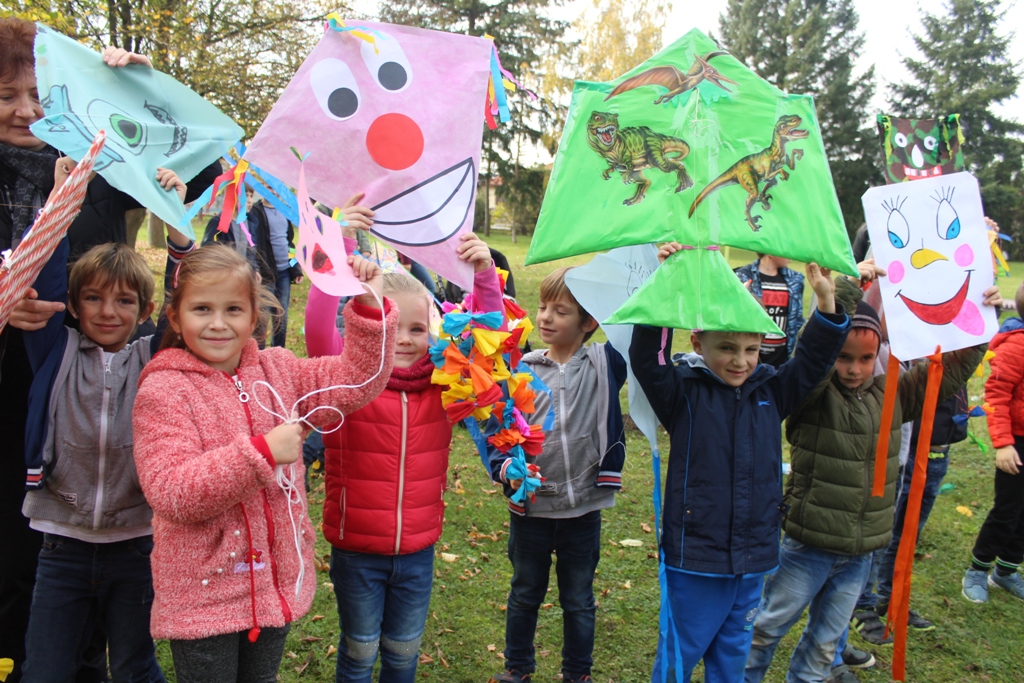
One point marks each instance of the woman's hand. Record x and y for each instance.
(118, 57)
(31, 314)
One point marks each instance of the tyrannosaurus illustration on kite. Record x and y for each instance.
(762, 167)
(675, 80)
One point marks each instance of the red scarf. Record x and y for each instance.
(413, 378)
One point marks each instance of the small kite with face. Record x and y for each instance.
(920, 148)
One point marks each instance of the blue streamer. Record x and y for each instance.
(480, 440)
(456, 322)
(537, 384)
(666, 626)
(499, 87)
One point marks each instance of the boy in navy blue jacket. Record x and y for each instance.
(723, 496)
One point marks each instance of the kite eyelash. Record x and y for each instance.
(944, 194)
(894, 205)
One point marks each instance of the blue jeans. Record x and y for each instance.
(576, 543)
(712, 618)
(937, 468)
(80, 586)
(383, 602)
(827, 582)
(283, 292)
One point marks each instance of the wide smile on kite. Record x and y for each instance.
(429, 212)
(941, 313)
(606, 134)
(916, 173)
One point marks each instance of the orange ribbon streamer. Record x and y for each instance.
(892, 382)
(899, 605)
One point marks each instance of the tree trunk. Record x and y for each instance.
(157, 239)
(134, 218)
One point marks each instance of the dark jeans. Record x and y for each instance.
(383, 602)
(283, 292)
(576, 543)
(937, 468)
(1002, 534)
(80, 586)
(230, 658)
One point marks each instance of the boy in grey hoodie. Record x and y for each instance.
(84, 493)
(581, 463)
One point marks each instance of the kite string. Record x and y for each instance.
(286, 477)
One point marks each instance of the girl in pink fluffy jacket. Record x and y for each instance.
(233, 545)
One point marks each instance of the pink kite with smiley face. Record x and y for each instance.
(397, 113)
(931, 238)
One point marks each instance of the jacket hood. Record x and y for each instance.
(540, 356)
(699, 368)
(1011, 326)
(183, 360)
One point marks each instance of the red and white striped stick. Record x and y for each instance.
(22, 267)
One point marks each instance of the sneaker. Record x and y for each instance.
(510, 677)
(919, 623)
(869, 627)
(842, 674)
(857, 659)
(975, 586)
(1013, 584)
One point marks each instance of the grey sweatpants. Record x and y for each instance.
(230, 657)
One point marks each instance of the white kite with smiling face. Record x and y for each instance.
(930, 237)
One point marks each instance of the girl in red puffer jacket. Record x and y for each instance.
(386, 469)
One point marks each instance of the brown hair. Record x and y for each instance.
(17, 38)
(107, 265)
(554, 288)
(212, 263)
(1018, 299)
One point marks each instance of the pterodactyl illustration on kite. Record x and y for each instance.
(675, 80)
(763, 167)
(631, 150)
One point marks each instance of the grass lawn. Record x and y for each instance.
(464, 636)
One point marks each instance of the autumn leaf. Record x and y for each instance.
(316, 617)
(631, 543)
(646, 527)
(449, 557)
(964, 510)
(491, 647)
(331, 650)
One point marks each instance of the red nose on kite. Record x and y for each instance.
(394, 141)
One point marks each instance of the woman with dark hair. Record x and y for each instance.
(26, 179)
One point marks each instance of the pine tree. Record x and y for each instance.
(964, 68)
(524, 34)
(809, 47)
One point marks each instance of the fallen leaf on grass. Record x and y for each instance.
(331, 650)
(646, 527)
(316, 617)
(631, 543)
(310, 639)
(544, 653)
(426, 659)
(491, 648)
(547, 605)
(291, 655)
(627, 585)
(964, 510)
(449, 557)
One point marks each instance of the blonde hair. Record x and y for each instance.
(111, 264)
(402, 283)
(553, 288)
(212, 263)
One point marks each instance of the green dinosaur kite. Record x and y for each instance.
(742, 166)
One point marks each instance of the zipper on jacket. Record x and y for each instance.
(563, 420)
(101, 465)
(401, 472)
(341, 527)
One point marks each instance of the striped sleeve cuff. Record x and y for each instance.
(609, 480)
(517, 509)
(176, 253)
(504, 468)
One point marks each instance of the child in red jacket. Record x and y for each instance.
(233, 545)
(386, 471)
(1001, 539)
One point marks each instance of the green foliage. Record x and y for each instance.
(964, 67)
(239, 54)
(809, 47)
(523, 194)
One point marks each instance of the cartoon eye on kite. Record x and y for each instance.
(387, 63)
(125, 132)
(930, 143)
(947, 222)
(897, 226)
(900, 139)
(335, 89)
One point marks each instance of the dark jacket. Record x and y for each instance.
(259, 228)
(833, 437)
(723, 496)
(794, 283)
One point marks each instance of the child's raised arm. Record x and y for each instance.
(487, 295)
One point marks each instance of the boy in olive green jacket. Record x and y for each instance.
(833, 524)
